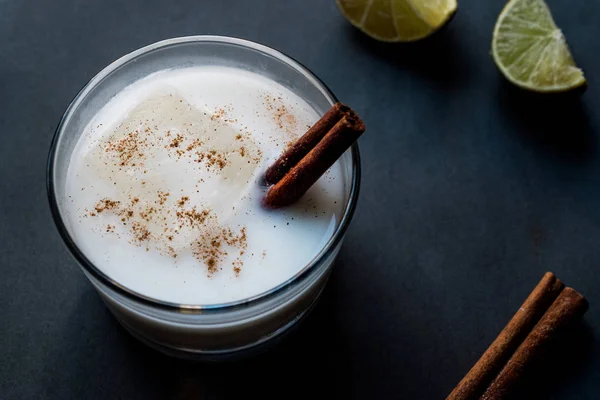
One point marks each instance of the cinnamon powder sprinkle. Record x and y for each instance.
(177, 141)
(283, 118)
(183, 200)
(105, 204)
(192, 217)
(174, 224)
(164, 221)
(211, 248)
(127, 148)
(237, 266)
(140, 232)
(162, 197)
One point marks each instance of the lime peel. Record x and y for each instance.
(398, 20)
(531, 51)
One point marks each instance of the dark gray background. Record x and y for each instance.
(470, 192)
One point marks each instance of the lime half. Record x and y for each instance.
(531, 51)
(398, 20)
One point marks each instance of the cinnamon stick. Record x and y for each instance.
(306, 143)
(313, 154)
(483, 372)
(568, 307)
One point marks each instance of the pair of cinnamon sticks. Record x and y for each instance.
(548, 310)
(311, 156)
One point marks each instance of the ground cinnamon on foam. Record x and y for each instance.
(158, 222)
(283, 118)
(131, 150)
(212, 243)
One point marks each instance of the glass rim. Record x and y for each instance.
(89, 267)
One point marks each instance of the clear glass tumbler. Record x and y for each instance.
(196, 330)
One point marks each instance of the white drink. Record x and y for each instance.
(163, 188)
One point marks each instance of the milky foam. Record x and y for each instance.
(163, 188)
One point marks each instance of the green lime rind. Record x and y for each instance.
(531, 51)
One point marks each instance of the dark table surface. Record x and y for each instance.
(471, 191)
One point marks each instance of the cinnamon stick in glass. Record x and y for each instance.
(311, 156)
(306, 143)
